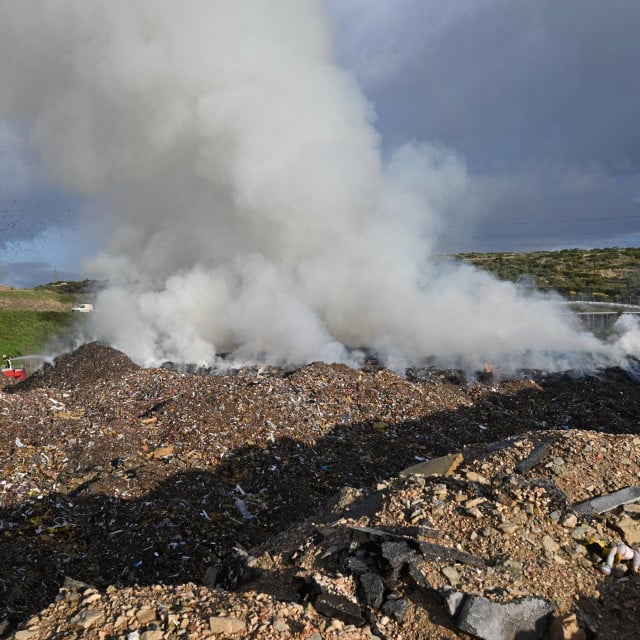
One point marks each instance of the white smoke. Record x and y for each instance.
(239, 177)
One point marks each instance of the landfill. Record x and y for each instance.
(314, 503)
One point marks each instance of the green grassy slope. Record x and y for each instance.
(23, 331)
(30, 318)
(611, 275)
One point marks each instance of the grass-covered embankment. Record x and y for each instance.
(31, 318)
(24, 331)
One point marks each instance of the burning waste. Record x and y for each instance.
(237, 174)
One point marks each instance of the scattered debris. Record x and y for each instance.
(155, 503)
(443, 466)
(525, 618)
(609, 501)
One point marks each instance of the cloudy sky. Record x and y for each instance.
(538, 101)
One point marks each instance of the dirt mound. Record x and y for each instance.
(86, 365)
(281, 504)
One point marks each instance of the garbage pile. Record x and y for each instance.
(318, 503)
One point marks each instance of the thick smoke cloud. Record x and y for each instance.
(237, 173)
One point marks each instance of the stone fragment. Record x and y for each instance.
(472, 476)
(469, 504)
(443, 466)
(26, 634)
(570, 521)
(414, 574)
(162, 452)
(356, 566)
(341, 501)
(75, 585)
(629, 530)
(451, 575)
(513, 567)
(93, 597)
(223, 624)
(337, 606)
(335, 626)
(608, 501)
(525, 619)
(534, 458)
(583, 532)
(372, 589)
(550, 545)
(280, 625)
(508, 527)
(145, 615)
(498, 446)
(396, 609)
(452, 600)
(86, 618)
(397, 554)
(367, 506)
(565, 628)
(152, 634)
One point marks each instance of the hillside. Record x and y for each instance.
(145, 503)
(31, 318)
(597, 274)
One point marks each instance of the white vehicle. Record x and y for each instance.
(83, 308)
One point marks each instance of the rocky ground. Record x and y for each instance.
(152, 504)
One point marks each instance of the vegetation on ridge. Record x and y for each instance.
(607, 275)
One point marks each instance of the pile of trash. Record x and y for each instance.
(318, 503)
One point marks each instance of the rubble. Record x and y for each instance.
(263, 503)
(525, 618)
(609, 501)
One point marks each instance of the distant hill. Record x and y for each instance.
(611, 275)
(73, 287)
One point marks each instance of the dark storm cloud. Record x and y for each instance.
(539, 98)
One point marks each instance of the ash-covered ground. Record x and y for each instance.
(173, 505)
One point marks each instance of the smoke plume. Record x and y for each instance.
(245, 204)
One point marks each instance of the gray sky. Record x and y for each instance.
(539, 100)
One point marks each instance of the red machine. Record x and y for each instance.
(18, 373)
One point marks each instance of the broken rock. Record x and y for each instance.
(372, 589)
(566, 628)
(629, 530)
(221, 624)
(609, 501)
(525, 619)
(443, 466)
(86, 618)
(396, 609)
(337, 606)
(397, 554)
